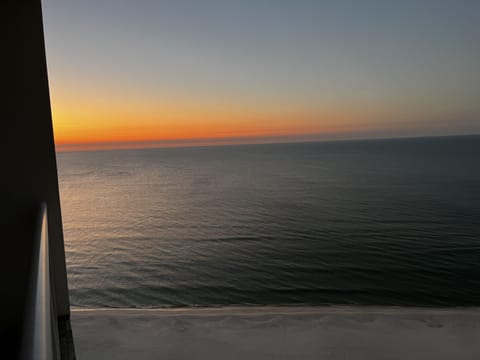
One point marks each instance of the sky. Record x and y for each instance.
(143, 73)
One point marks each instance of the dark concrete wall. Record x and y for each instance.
(28, 166)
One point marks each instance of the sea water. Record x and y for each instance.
(379, 222)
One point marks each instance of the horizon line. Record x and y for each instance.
(237, 141)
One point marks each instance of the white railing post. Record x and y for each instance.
(41, 334)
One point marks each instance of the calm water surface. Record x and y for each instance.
(384, 222)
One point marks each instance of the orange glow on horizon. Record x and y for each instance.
(80, 126)
(142, 137)
(91, 120)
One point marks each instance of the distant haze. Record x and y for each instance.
(128, 73)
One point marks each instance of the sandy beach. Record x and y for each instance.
(277, 333)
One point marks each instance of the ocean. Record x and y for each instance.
(378, 222)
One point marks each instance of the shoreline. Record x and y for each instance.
(286, 310)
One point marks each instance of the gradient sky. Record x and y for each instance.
(126, 73)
